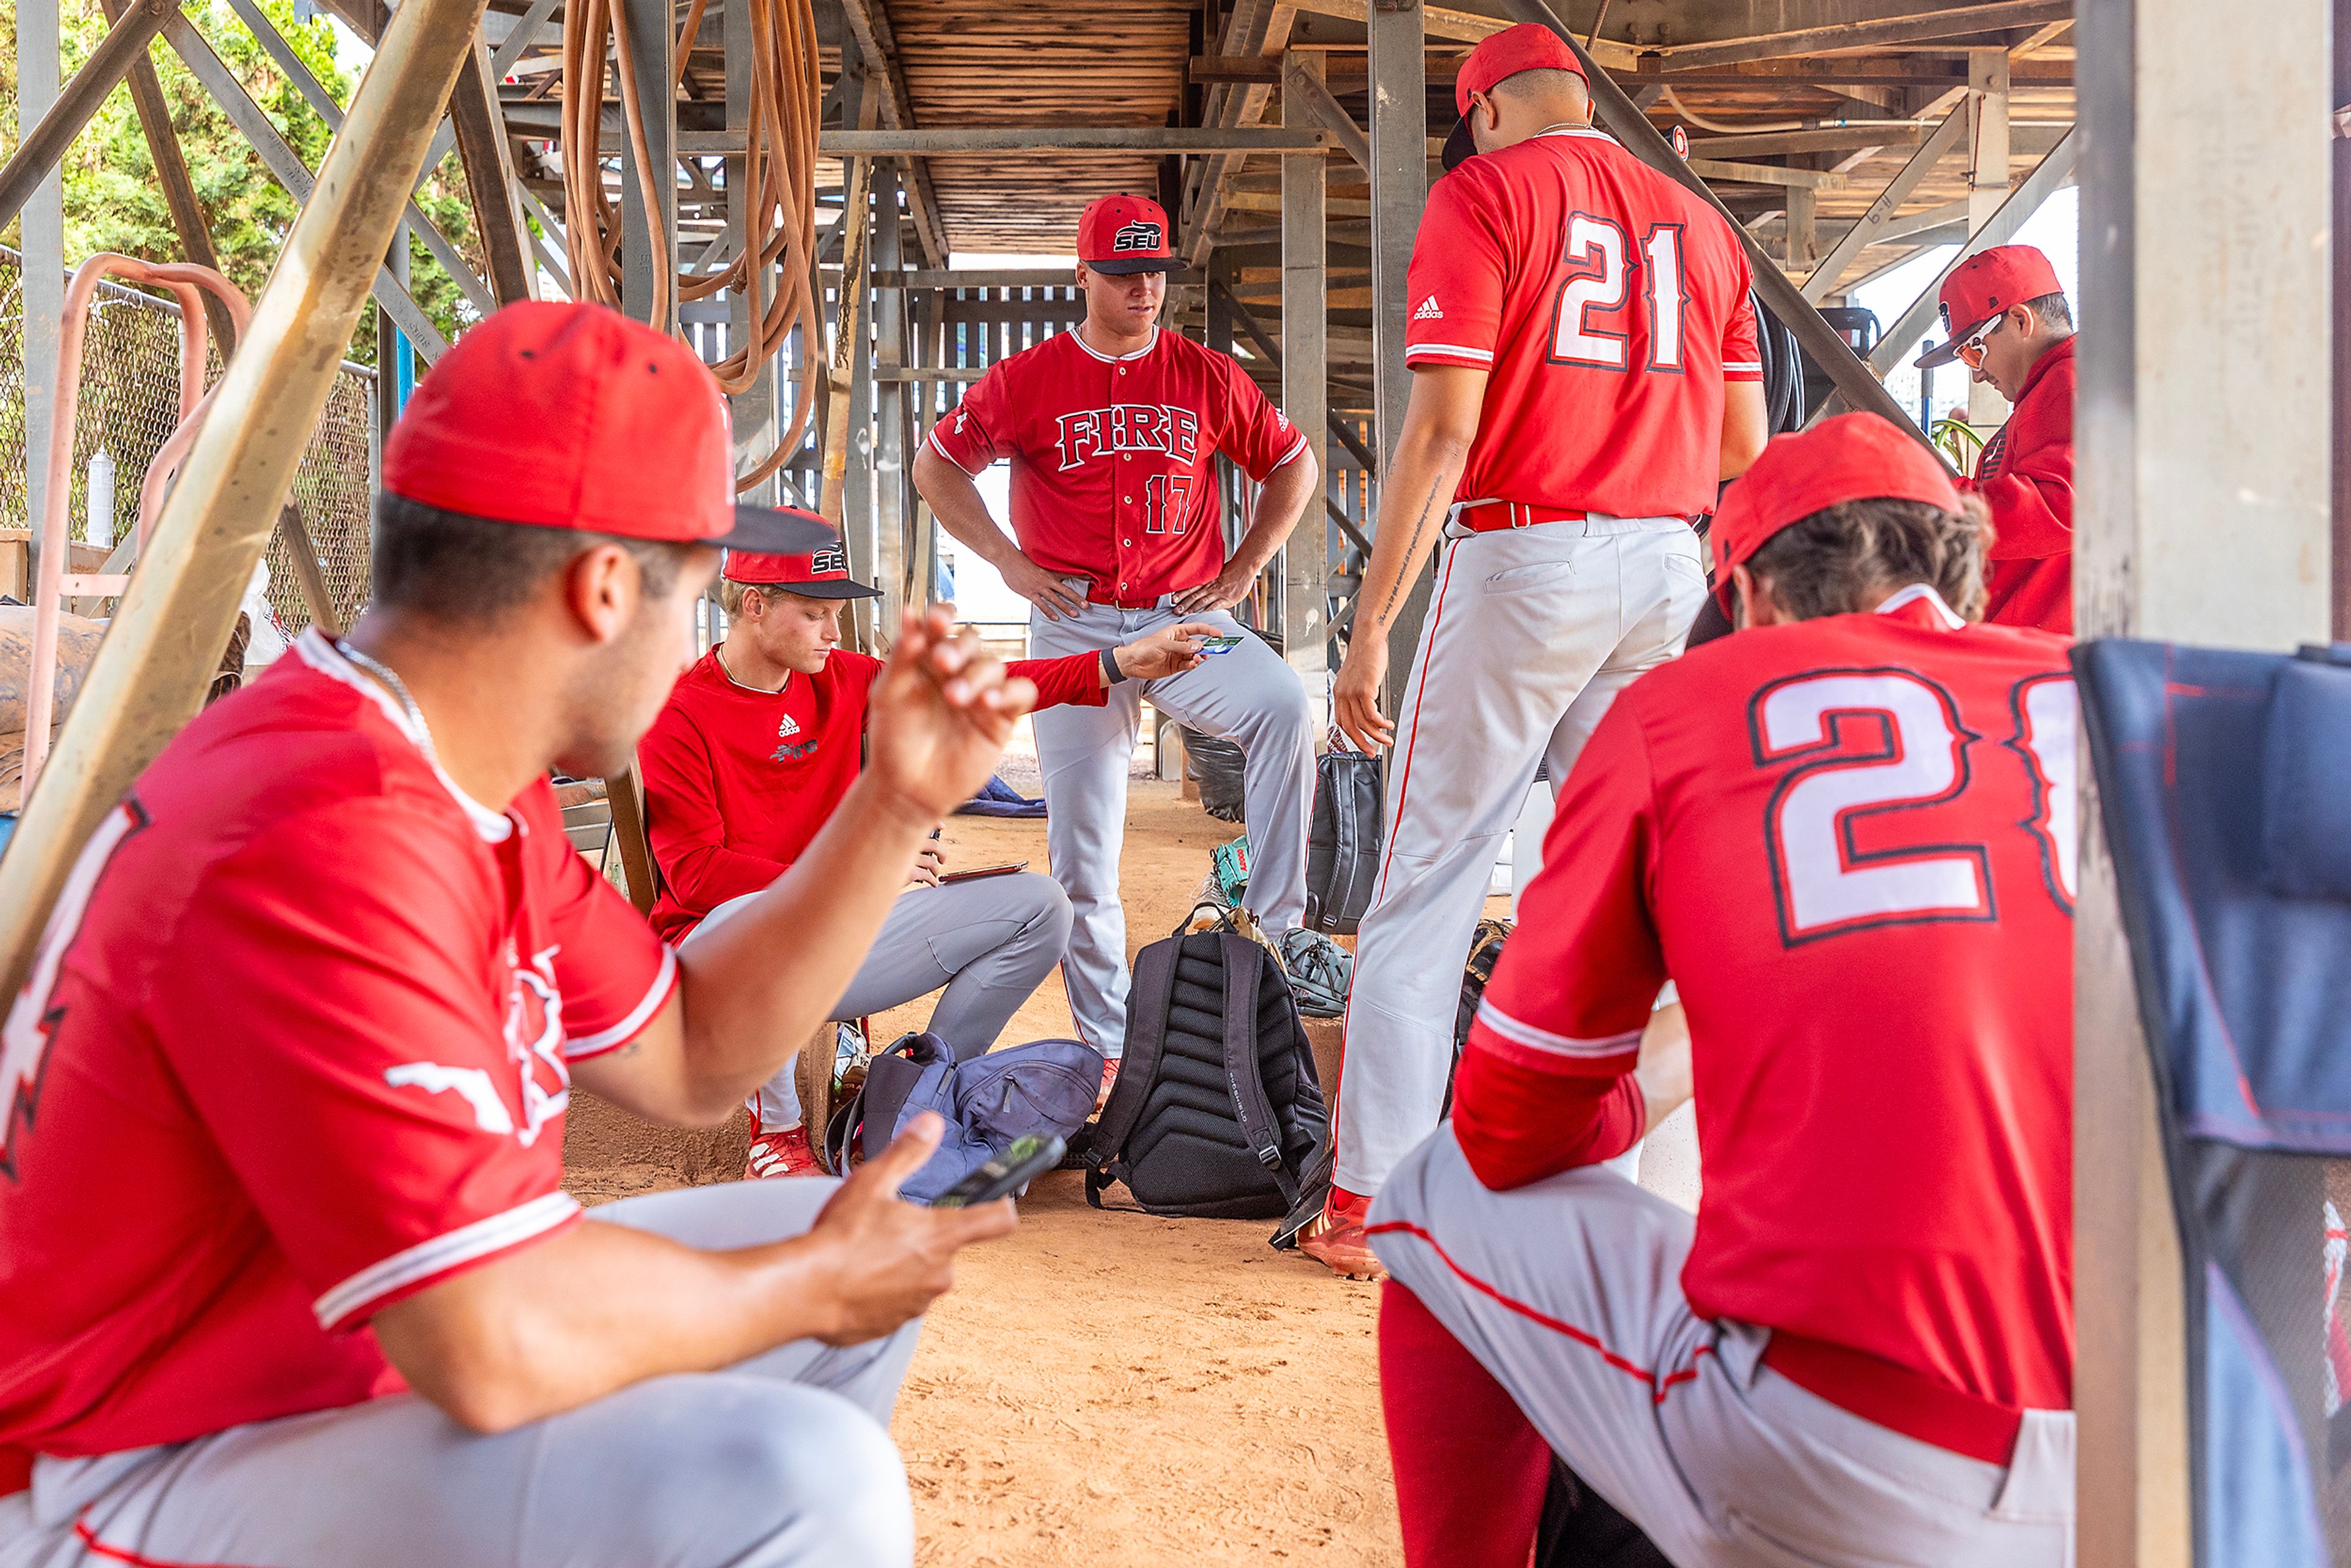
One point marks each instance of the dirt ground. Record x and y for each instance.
(1107, 1387)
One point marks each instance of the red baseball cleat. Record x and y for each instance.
(1336, 1240)
(1110, 1081)
(787, 1153)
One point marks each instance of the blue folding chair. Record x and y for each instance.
(2225, 785)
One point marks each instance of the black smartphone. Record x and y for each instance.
(1007, 1174)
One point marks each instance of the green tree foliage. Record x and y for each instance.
(113, 201)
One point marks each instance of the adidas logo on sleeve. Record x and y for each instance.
(1429, 311)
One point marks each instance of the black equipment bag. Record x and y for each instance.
(1580, 1530)
(1342, 848)
(1217, 1113)
(1218, 768)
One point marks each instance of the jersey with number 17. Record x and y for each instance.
(1608, 306)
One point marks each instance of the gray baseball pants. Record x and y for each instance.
(1530, 636)
(1569, 1291)
(1248, 696)
(782, 1459)
(991, 942)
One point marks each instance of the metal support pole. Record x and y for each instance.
(652, 49)
(163, 646)
(890, 509)
(1986, 187)
(1305, 390)
(757, 427)
(1399, 140)
(44, 231)
(2203, 436)
(857, 497)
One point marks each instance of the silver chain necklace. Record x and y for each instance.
(398, 687)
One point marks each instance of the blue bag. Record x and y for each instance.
(1046, 1087)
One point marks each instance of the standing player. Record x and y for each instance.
(2005, 317)
(1111, 430)
(1584, 373)
(1846, 832)
(759, 742)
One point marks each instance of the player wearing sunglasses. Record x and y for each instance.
(2006, 318)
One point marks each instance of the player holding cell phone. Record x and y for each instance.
(758, 743)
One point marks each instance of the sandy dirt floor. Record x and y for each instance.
(1109, 1387)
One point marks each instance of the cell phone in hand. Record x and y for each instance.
(975, 873)
(1007, 1174)
(1219, 644)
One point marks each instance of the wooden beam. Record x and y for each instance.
(1305, 384)
(125, 44)
(1259, 27)
(163, 646)
(1465, 26)
(1784, 143)
(1864, 231)
(1958, 21)
(188, 220)
(1308, 89)
(1836, 71)
(1204, 141)
(266, 34)
(488, 157)
(869, 24)
(391, 295)
(1765, 175)
(1397, 42)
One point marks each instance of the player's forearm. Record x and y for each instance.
(594, 1309)
(1413, 501)
(753, 989)
(1281, 500)
(960, 508)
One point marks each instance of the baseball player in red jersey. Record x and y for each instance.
(1847, 833)
(2006, 318)
(1111, 431)
(290, 1274)
(756, 747)
(1584, 372)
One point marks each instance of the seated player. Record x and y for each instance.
(1846, 832)
(289, 1271)
(759, 742)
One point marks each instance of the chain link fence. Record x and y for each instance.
(130, 401)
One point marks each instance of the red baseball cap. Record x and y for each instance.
(573, 417)
(820, 573)
(1853, 457)
(1122, 235)
(1529, 47)
(1983, 286)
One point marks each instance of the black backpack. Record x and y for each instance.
(1217, 1113)
(1343, 846)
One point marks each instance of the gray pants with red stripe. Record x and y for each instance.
(1569, 1291)
(1531, 633)
(784, 1459)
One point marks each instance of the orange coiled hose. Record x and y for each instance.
(778, 170)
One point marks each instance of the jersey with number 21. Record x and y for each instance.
(1608, 306)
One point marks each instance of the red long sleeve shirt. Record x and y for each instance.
(2026, 478)
(738, 780)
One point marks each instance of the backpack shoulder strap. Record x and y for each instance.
(1148, 999)
(1244, 967)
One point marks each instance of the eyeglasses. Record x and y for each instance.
(1971, 352)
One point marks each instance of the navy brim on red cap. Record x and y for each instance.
(830, 588)
(1459, 145)
(1944, 353)
(770, 531)
(1126, 266)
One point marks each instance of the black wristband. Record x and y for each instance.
(1110, 666)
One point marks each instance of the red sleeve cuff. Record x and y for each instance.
(1467, 355)
(1538, 1050)
(1067, 681)
(972, 463)
(407, 1271)
(1517, 1125)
